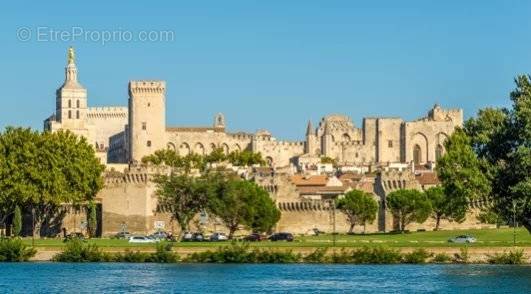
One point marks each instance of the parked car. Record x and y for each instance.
(160, 235)
(198, 237)
(281, 237)
(75, 235)
(188, 236)
(122, 235)
(254, 237)
(141, 239)
(463, 239)
(218, 237)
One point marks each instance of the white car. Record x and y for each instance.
(463, 239)
(219, 237)
(141, 239)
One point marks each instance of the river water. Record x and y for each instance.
(251, 278)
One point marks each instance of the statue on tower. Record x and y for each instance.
(71, 55)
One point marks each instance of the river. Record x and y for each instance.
(251, 278)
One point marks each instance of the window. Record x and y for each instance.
(149, 104)
(438, 152)
(144, 126)
(417, 155)
(77, 114)
(69, 114)
(390, 143)
(77, 103)
(69, 103)
(148, 143)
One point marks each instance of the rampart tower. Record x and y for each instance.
(147, 118)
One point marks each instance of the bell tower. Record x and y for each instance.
(71, 99)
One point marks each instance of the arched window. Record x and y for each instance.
(77, 114)
(269, 161)
(439, 150)
(77, 103)
(69, 103)
(69, 114)
(417, 154)
(346, 137)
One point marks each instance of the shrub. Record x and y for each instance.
(131, 256)
(376, 255)
(318, 256)
(441, 258)
(78, 251)
(15, 250)
(416, 256)
(240, 253)
(267, 256)
(462, 256)
(511, 257)
(343, 256)
(164, 253)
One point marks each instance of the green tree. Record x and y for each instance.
(47, 170)
(326, 159)
(408, 206)
(245, 158)
(184, 196)
(444, 207)
(92, 221)
(17, 221)
(462, 174)
(360, 208)
(243, 203)
(502, 140)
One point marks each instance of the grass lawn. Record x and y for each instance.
(485, 237)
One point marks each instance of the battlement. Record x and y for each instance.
(107, 112)
(147, 87)
(315, 205)
(241, 136)
(349, 143)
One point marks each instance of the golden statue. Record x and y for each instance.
(71, 55)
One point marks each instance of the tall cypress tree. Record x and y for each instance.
(17, 221)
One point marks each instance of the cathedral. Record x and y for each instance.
(125, 134)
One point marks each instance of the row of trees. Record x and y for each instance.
(406, 206)
(235, 201)
(41, 172)
(191, 161)
(491, 157)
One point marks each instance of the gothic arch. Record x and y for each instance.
(345, 137)
(225, 147)
(417, 154)
(199, 149)
(269, 160)
(170, 146)
(419, 148)
(213, 147)
(440, 138)
(237, 147)
(184, 149)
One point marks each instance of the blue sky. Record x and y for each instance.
(271, 64)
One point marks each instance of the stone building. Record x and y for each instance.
(391, 149)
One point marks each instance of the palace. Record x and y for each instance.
(382, 155)
(125, 134)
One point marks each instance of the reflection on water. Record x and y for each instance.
(300, 278)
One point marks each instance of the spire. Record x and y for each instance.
(309, 128)
(71, 70)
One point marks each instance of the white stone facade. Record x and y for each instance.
(126, 134)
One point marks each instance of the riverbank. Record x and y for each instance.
(475, 254)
